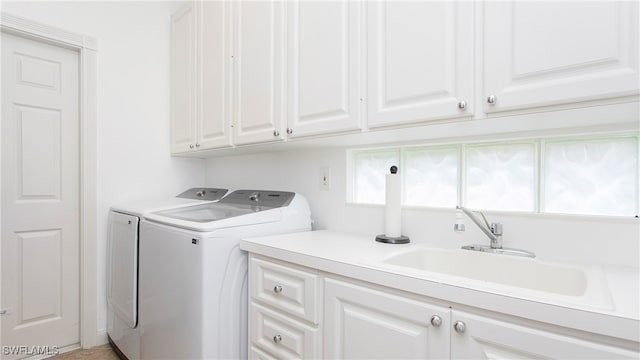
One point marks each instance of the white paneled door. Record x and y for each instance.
(40, 196)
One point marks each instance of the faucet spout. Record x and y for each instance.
(493, 230)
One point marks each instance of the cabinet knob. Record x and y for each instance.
(277, 338)
(289, 131)
(191, 146)
(277, 289)
(459, 327)
(462, 105)
(436, 321)
(197, 145)
(491, 99)
(276, 133)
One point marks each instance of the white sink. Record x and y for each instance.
(502, 269)
(511, 275)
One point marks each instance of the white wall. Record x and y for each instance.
(133, 104)
(560, 238)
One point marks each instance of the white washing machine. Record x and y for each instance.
(193, 275)
(122, 264)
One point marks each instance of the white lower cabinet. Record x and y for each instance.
(297, 312)
(479, 337)
(284, 311)
(363, 323)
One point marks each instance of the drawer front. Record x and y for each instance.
(272, 333)
(256, 353)
(286, 287)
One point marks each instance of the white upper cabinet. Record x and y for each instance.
(215, 75)
(540, 53)
(258, 104)
(420, 61)
(200, 77)
(324, 62)
(183, 80)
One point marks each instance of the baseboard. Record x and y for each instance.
(101, 337)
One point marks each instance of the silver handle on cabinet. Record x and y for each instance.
(436, 321)
(289, 131)
(4, 312)
(492, 99)
(197, 145)
(276, 133)
(277, 289)
(459, 327)
(277, 338)
(191, 146)
(462, 105)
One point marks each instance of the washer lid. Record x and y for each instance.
(241, 207)
(207, 194)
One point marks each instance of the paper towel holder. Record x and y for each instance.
(391, 239)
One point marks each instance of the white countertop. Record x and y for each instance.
(354, 256)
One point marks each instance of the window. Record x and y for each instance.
(591, 177)
(370, 170)
(431, 176)
(500, 177)
(595, 176)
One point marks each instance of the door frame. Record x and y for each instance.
(87, 50)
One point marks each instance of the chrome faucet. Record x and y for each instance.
(493, 231)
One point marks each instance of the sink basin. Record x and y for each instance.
(519, 272)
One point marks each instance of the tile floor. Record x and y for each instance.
(102, 352)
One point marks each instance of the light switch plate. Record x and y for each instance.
(325, 178)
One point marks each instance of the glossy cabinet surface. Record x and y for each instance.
(258, 75)
(183, 79)
(324, 64)
(420, 61)
(548, 53)
(366, 323)
(257, 72)
(487, 338)
(285, 308)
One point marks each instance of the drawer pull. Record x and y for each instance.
(277, 338)
(277, 289)
(459, 327)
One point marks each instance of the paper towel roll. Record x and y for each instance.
(393, 214)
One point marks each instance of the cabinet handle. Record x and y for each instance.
(289, 131)
(191, 146)
(277, 289)
(436, 321)
(462, 105)
(197, 145)
(276, 133)
(459, 327)
(277, 338)
(492, 99)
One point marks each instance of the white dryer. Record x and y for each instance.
(122, 264)
(193, 275)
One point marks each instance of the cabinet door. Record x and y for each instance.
(183, 79)
(420, 61)
(258, 71)
(485, 338)
(215, 58)
(324, 44)
(546, 53)
(363, 323)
